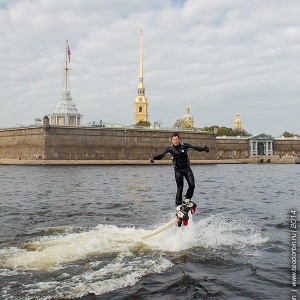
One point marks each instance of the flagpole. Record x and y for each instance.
(66, 68)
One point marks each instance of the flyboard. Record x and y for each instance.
(182, 217)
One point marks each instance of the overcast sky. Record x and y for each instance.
(218, 57)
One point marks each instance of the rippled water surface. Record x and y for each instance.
(70, 232)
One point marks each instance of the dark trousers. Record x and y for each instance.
(189, 176)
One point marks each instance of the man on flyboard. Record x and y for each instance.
(182, 169)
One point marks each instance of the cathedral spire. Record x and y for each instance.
(140, 103)
(141, 58)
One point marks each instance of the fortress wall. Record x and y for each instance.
(100, 143)
(232, 148)
(286, 146)
(22, 142)
(118, 143)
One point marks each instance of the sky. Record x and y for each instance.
(218, 57)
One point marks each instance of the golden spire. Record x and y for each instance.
(141, 78)
(187, 110)
(140, 103)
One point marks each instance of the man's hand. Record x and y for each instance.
(151, 160)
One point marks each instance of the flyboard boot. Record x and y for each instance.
(182, 211)
(191, 206)
(182, 215)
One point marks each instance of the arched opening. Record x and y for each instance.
(261, 148)
(140, 109)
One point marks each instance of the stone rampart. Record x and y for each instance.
(101, 143)
(96, 143)
(287, 146)
(232, 147)
(28, 143)
(117, 143)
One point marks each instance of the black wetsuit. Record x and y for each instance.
(182, 168)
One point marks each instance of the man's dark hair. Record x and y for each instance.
(175, 134)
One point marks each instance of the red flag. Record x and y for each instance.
(69, 53)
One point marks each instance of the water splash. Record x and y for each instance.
(61, 249)
(106, 258)
(54, 251)
(214, 232)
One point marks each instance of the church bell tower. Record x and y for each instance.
(237, 122)
(140, 103)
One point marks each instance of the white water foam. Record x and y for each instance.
(117, 257)
(213, 232)
(62, 249)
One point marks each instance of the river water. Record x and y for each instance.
(70, 232)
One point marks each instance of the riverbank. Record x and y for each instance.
(251, 160)
(111, 162)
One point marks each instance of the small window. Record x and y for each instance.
(140, 109)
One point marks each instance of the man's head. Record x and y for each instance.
(175, 139)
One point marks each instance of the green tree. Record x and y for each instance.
(210, 128)
(143, 123)
(227, 131)
(177, 125)
(288, 134)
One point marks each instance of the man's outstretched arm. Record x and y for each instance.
(159, 156)
(200, 149)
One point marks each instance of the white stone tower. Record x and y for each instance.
(65, 112)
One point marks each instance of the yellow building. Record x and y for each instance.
(237, 123)
(140, 103)
(187, 120)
